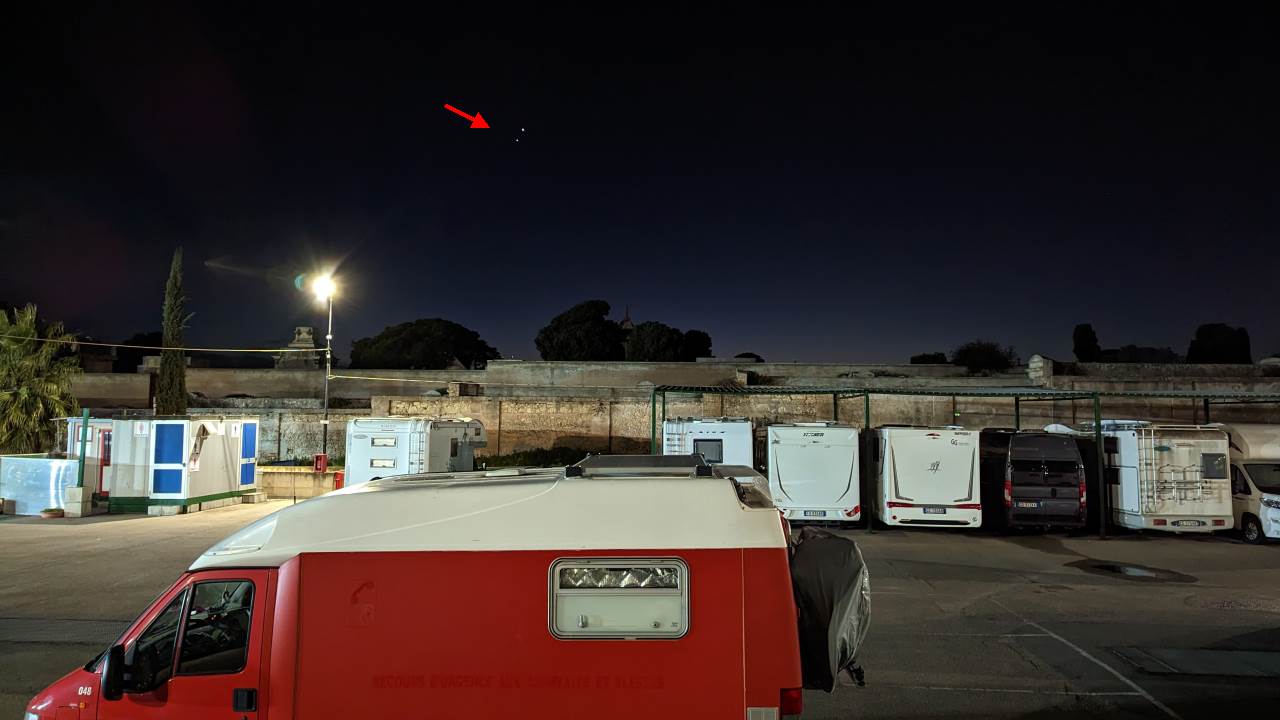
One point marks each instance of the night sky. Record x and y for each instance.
(817, 186)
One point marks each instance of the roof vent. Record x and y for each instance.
(573, 471)
(702, 471)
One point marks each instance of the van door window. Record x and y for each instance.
(150, 661)
(216, 636)
(619, 598)
(712, 450)
(1238, 485)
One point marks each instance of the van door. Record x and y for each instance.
(1242, 499)
(200, 655)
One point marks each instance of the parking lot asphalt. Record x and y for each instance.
(964, 624)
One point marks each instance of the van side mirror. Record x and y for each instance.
(113, 673)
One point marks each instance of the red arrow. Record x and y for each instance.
(476, 122)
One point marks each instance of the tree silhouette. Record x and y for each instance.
(425, 344)
(171, 385)
(1084, 343)
(584, 333)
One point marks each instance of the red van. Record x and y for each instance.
(608, 590)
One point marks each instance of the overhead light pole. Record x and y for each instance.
(325, 288)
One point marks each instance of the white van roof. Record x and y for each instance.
(1254, 441)
(515, 510)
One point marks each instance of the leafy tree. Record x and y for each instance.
(424, 344)
(583, 332)
(981, 356)
(655, 342)
(696, 344)
(933, 358)
(1084, 343)
(1140, 354)
(35, 381)
(128, 359)
(1220, 343)
(171, 385)
(749, 356)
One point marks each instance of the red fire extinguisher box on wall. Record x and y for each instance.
(321, 463)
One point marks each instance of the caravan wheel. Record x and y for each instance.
(1251, 530)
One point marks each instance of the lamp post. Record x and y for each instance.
(324, 288)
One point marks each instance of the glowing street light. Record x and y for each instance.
(325, 288)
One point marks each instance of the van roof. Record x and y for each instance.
(1254, 440)
(546, 509)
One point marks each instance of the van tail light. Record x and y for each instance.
(1159, 522)
(1082, 497)
(791, 701)
(1008, 491)
(968, 506)
(1219, 523)
(850, 513)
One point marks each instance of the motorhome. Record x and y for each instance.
(724, 440)
(492, 595)
(1255, 480)
(1164, 477)
(926, 476)
(813, 471)
(1032, 479)
(385, 446)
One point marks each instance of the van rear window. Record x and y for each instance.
(618, 598)
(1213, 466)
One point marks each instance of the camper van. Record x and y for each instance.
(1255, 480)
(1165, 477)
(724, 440)
(926, 476)
(380, 447)
(1032, 479)
(489, 595)
(813, 471)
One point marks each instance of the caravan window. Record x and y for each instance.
(712, 450)
(382, 442)
(619, 598)
(1213, 466)
(453, 447)
(382, 463)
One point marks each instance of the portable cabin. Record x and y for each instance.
(813, 471)
(1032, 479)
(724, 440)
(381, 447)
(495, 595)
(1165, 477)
(1255, 480)
(926, 476)
(164, 465)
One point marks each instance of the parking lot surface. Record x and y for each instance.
(963, 624)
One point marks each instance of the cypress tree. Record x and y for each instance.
(171, 386)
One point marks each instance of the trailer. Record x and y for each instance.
(926, 476)
(724, 440)
(495, 595)
(1255, 480)
(813, 471)
(1165, 477)
(381, 447)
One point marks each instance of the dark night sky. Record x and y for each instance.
(813, 187)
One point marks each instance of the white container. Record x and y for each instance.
(720, 440)
(381, 447)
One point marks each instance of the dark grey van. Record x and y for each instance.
(1032, 479)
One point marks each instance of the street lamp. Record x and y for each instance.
(325, 289)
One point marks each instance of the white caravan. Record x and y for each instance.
(926, 476)
(813, 471)
(722, 440)
(1165, 477)
(380, 447)
(1255, 480)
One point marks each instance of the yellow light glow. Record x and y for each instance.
(324, 287)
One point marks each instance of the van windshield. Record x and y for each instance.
(1266, 476)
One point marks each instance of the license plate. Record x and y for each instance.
(1188, 523)
(815, 513)
(935, 511)
(1026, 504)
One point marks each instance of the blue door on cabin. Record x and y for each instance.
(167, 462)
(248, 453)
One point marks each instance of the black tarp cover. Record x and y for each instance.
(833, 597)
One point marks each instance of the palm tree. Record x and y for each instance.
(35, 381)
